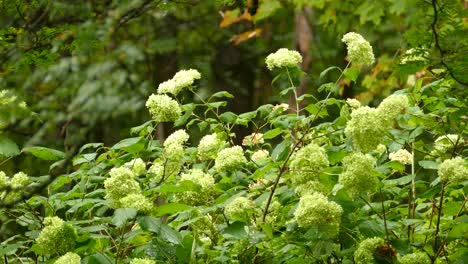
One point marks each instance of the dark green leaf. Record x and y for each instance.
(8, 148)
(45, 153)
(171, 208)
(228, 117)
(235, 230)
(123, 215)
(222, 94)
(132, 145)
(352, 73)
(273, 133)
(429, 164)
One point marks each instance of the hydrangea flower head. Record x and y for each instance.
(181, 79)
(204, 180)
(20, 179)
(366, 128)
(453, 171)
(314, 210)
(135, 200)
(359, 49)
(142, 261)
(283, 58)
(366, 250)
(308, 162)
(392, 106)
(137, 166)
(230, 159)
(310, 187)
(260, 155)
(69, 258)
(57, 237)
(354, 103)
(120, 183)
(415, 258)
(163, 108)
(402, 156)
(239, 209)
(208, 147)
(357, 176)
(415, 55)
(179, 137)
(4, 181)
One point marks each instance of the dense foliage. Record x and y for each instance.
(364, 162)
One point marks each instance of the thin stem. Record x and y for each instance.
(294, 91)
(413, 195)
(439, 213)
(384, 218)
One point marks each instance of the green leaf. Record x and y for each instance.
(429, 164)
(188, 110)
(100, 258)
(273, 133)
(123, 215)
(266, 9)
(235, 230)
(352, 73)
(287, 90)
(155, 225)
(281, 150)
(451, 208)
(132, 145)
(459, 231)
(45, 153)
(217, 104)
(183, 186)
(90, 145)
(228, 117)
(8, 148)
(329, 87)
(171, 208)
(222, 94)
(324, 72)
(400, 181)
(141, 128)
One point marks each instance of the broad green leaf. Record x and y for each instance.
(352, 73)
(228, 117)
(155, 225)
(266, 9)
(141, 129)
(281, 150)
(459, 231)
(429, 164)
(183, 186)
(328, 87)
(85, 158)
(287, 90)
(132, 145)
(100, 258)
(45, 153)
(217, 104)
(8, 148)
(171, 208)
(235, 230)
(273, 133)
(452, 208)
(400, 181)
(324, 72)
(222, 94)
(123, 215)
(90, 145)
(188, 110)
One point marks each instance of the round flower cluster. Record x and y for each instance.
(354, 103)
(359, 49)
(283, 58)
(402, 156)
(381, 149)
(20, 179)
(137, 166)
(316, 210)
(120, 184)
(253, 139)
(173, 145)
(203, 225)
(16, 182)
(365, 128)
(181, 79)
(4, 181)
(198, 177)
(453, 171)
(230, 159)
(447, 142)
(208, 147)
(156, 171)
(307, 162)
(163, 108)
(310, 187)
(357, 176)
(260, 155)
(239, 209)
(57, 237)
(69, 258)
(366, 250)
(137, 201)
(415, 258)
(280, 107)
(392, 106)
(142, 261)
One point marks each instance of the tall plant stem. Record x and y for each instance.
(412, 207)
(285, 163)
(384, 217)
(439, 213)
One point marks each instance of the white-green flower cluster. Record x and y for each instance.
(357, 176)
(69, 258)
(156, 171)
(414, 258)
(163, 108)
(230, 159)
(447, 142)
(4, 181)
(120, 183)
(403, 156)
(359, 49)
(310, 187)
(354, 103)
(137, 166)
(280, 107)
(253, 139)
(208, 147)
(283, 58)
(137, 201)
(365, 128)
(314, 210)
(392, 106)
(204, 180)
(142, 261)
(260, 155)
(16, 182)
(366, 250)
(20, 179)
(173, 145)
(307, 163)
(181, 79)
(381, 149)
(239, 209)
(453, 171)
(57, 237)
(415, 55)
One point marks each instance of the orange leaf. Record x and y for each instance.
(237, 39)
(232, 16)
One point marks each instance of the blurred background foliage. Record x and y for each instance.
(85, 68)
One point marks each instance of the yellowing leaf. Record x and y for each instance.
(237, 39)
